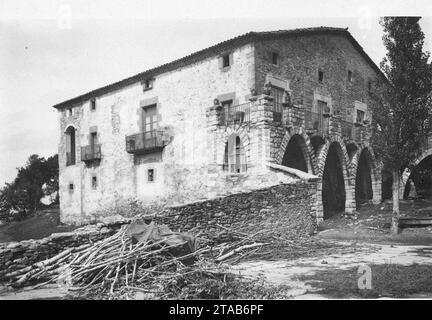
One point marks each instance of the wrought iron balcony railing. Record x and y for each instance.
(277, 111)
(145, 142)
(237, 114)
(91, 152)
(348, 129)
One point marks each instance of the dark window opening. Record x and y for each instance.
(69, 112)
(94, 182)
(150, 175)
(70, 146)
(93, 104)
(225, 61)
(275, 58)
(71, 186)
(369, 85)
(360, 117)
(320, 76)
(349, 75)
(148, 84)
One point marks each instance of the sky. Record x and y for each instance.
(54, 50)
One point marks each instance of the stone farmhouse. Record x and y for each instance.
(226, 118)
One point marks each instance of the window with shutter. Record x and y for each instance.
(235, 157)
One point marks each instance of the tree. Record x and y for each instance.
(38, 178)
(402, 118)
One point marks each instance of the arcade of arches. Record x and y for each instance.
(348, 173)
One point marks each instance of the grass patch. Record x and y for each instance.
(40, 225)
(388, 280)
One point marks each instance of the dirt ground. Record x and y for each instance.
(400, 265)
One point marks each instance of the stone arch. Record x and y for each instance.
(304, 143)
(407, 171)
(222, 140)
(352, 148)
(322, 154)
(334, 143)
(366, 152)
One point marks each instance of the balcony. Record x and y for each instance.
(316, 123)
(91, 153)
(234, 114)
(146, 142)
(277, 112)
(353, 131)
(348, 130)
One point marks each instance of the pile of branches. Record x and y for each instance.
(155, 266)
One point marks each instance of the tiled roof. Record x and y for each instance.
(215, 50)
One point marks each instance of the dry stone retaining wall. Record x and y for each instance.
(17, 255)
(283, 205)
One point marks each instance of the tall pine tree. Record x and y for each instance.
(402, 120)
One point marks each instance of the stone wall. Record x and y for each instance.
(288, 206)
(17, 255)
(181, 97)
(300, 59)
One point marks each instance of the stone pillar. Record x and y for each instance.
(212, 114)
(318, 202)
(335, 128)
(350, 203)
(377, 192)
(261, 118)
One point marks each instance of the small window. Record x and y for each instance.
(94, 182)
(275, 58)
(369, 86)
(225, 61)
(93, 104)
(320, 76)
(150, 175)
(69, 112)
(148, 84)
(71, 187)
(350, 76)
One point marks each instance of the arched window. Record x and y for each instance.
(234, 157)
(70, 146)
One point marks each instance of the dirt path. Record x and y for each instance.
(284, 272)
